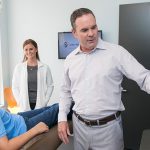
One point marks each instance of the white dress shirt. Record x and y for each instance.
(93, 80)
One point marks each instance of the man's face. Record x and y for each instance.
(86, 32)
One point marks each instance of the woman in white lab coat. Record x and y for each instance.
(32, 82)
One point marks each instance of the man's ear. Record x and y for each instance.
(74, 33)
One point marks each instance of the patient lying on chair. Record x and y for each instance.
(16, 130)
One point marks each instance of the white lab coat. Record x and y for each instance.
(20, 86)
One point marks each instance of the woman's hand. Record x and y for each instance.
(41, 127)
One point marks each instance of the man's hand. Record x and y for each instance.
(63, 131)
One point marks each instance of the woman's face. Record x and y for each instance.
(30, 51)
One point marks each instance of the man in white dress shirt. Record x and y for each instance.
(92, 79)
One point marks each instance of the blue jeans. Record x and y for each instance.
(48, 115)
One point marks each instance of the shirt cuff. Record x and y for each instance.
(147, 85)
(148, 89)
(62, 116)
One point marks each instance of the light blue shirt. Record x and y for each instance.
(11, 125)
(93, 80)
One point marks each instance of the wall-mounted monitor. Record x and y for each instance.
(67, 43)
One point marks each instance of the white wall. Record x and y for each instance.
(4, 43)
(4, 60)
(42, 19)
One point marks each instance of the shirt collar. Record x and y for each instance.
(100, 46)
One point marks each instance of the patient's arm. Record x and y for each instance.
(17, 142)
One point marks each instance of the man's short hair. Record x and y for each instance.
(78, 13)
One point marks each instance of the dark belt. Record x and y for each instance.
(98, 122)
